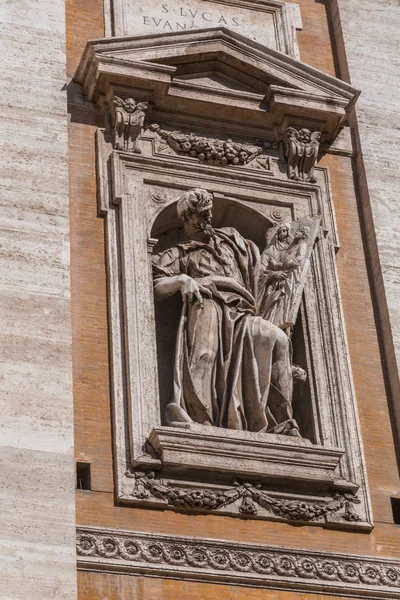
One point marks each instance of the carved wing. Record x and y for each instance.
(294, 149)
(284, 268)
(292, 144)
(117, 110)
(311, 153)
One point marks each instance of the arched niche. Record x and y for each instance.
(227, 212)
(253, 225)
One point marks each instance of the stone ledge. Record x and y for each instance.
(235, 563)
(246, 454)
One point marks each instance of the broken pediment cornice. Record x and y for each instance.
(266, 87)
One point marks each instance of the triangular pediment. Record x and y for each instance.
(217, 66)
(216, 81)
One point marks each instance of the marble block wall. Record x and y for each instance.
(37, 522)
(368, 46)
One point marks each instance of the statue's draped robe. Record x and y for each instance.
(227, 372)
(275, 301)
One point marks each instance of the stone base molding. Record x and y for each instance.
(244, 453)
(235, 563)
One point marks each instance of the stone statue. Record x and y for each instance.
(128, 119)
(284, 256)
(301, 150)
(232, 366)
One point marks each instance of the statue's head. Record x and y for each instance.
(194, 209)
(305, 135)
(303, 233)
(283, 233)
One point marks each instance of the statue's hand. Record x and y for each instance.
(191, 291)
(292, 263)
(279, 276)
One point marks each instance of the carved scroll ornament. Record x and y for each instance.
(301, 150)
(128, 119)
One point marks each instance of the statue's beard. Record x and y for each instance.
(205, 228)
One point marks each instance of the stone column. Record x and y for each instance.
(37, 523)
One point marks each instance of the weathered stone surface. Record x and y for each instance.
(371, 29)
(246, 453)
(344, 575)
(251, 200)
(36, 438)
(272, 24)
(151, 66)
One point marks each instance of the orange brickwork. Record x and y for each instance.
(95, 586)
(91, 368)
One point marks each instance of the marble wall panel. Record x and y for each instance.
(37, 520)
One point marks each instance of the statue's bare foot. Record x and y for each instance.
(294, 433)
(299, 374)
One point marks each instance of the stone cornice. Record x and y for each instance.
(265, 60)
(237, 563)
(281, 91)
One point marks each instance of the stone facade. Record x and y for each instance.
(264, 114)
(376, 121)
(37, 552)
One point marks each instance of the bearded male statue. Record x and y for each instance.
(232, 367)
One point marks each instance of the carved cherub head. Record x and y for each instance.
(305, 135)
(303, 233)
(130, 105)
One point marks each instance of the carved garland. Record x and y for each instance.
(301, 148)
(210, 150)
(146, 486)
(221, 560)
(301, 145)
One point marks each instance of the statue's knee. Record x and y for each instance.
(282, 344)
(206, 357)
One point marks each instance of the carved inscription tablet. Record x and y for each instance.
(263, 22)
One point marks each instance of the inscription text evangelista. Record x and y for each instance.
(176, 18)
(149, 17)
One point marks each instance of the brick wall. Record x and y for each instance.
(91, 370)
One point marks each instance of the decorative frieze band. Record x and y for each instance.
(237, 563)
(245, 499)
(212, 151)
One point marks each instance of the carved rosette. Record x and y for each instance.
(301, 151)
(127, 120)
(144, 552)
